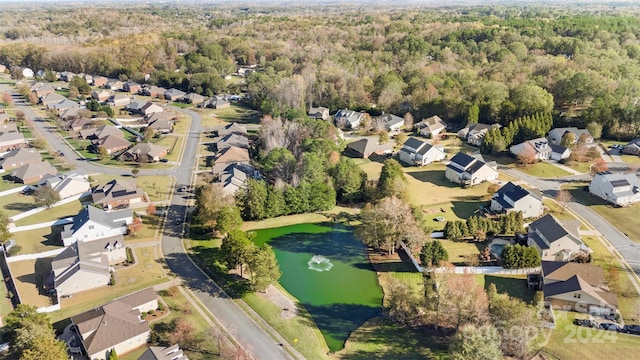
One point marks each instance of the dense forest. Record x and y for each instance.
(509, 62)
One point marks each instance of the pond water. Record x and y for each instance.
(326, 268)
(496, 249)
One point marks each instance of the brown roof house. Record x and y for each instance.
(153, 91)
(222, 159)
(100, 132)
(163, 126)
(42, 90)
(145, 153)
(117, 194)
(370, 145)
(431, 127)
(112, 144)
(100, 95)
(150, 108)
(76, 125)
(132, 87)
(51, 99)
(193, 98)
(16, 158)
(11, 141)
(117, 325)
(577, 287)
(86, 265)
(31, 173)
(100, 81)
(114, 85)
(92, 224)
(235, 140)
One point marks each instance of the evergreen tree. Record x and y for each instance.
(392, 180)
(433, 252)
(473, 114)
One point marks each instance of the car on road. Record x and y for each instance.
(183, 188)
(59, 153)
(585, 323)
(631, 329)
(610, 327)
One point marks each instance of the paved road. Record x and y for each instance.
(629, 249)
(244, 330)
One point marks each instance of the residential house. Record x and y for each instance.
(117, 194)
(230, 140)
(474, 133)
(537, 148)
(131, 87)
(78, 124)
(164, 115)
(92, 224)
(100, 95)
(117, 325)
(119, 100)
(216, 103)
(86, 265)
(173, 94)
(578, 287)
(30, 173)
(632, 148)
(172, 352)
(19, 157)
(66, 76)
(89, 79)
(369, 145)
(66, 185)
(419, 153)
(153, 91)
(64, 105)
(27, 73)
(100, 132)
(69, 114)
(469, 170)
(52, 98)
(145, 153)
(193, 98)
(390, 122)
(112, 144)
(163, 126)
(115, 85)
(135, 107)
(229, 156)
(234, 177)
(321, 113)
(348, 119)
(556, 240)
(555, 135)
(150, 108)
(11, 141)
(42, 90)
(232, 128)
(559, 152)
(618, 189)
(100, 81)
(511, 197)
(431, 127)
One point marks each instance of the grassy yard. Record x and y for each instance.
(583, 167)
(157, 187)
(81, 147)
(148, 271)
(569, 341)
(631, 159)
(513, 285)
(542, 169)
(38, 240)
(239, 114)
(55, 213)
(15, 204)
(174, 143)
(29, 278)
(457, 250)
(7, 184)
(624, 219)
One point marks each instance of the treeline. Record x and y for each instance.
(519, 130)
(479, 227)
(509, 62)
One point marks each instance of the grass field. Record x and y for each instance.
(542, 169)
(631, 159)
(55, 213)
(147, 272)
(174, 143)
(513, 285)
(583, 167)
(457, 250)
(624, 219)
(235, 113)
(14, 204)
(38, 240)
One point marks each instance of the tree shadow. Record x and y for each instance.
(435, 177)
(22, 207)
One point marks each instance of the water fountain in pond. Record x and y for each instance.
(319, 263)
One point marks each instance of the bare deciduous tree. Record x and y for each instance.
(563, 197)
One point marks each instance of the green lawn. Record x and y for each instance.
(15, 204)
(624, 219)
(555, 209)
(583, 167)
(631, 159)
(36, 241)
(157, 187)
(457, 250)
(513, 285)
(542, 169)
(174, 143)
(7, 184)
(569, 341)
(55, 213)
(239, 114)
(81, 147)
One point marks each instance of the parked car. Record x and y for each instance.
(631, 329)
(585, 323)
(610, 327)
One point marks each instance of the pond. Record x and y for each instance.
(326, 268)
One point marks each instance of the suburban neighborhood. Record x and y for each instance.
(399, 187)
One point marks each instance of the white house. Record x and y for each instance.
(419, 153)
(348, 119)
(539, 148)
(321, 113)
(556, 240)
(511, 197)
(618, 189)
(27, 73)
(391, 122)
(469, 170)
(474, 133)
(559, 152)
(117, 325)
(92, 224)
(66, 186)
(431, 126)
(555, 135)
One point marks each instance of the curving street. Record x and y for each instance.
(242, 328)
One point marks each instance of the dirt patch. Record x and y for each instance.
(288, 307)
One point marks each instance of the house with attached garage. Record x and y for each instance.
(119, 100)
(215, 103)
(369, 145)
(52, 98)
(193, 98)
(539, 148)
(30, 173)
(232, 128)
(11, 141)
(474, 133)
(115, 85)
(419, 153)
(173, 94)
(390, 122)
(511, 197)
(555, 135)
(100, 81)
(19, 157)
(618, 189)
(86, 265)
(145, 153)
(116, 194)
(229, 140)
(469, 170)
(164, 353)
(431, 127)
(577, 287)
(66, 185)
(92, 224)
(556, 240)
(131, 87)
(112, 144)
(348, 119)
(321, 113)
(118, 325)
(632, 148)
(100, 95)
